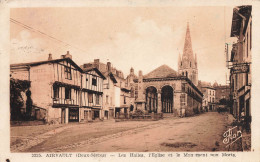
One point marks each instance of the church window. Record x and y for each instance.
(183, 87)
(186, 74)
(190, 64)
(182, 73)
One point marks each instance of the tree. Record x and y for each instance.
(16, 99)
(28, 103)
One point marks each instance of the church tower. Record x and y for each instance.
(187, 65)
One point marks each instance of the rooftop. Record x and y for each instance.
(163, 71)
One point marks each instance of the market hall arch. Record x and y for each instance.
(167, 99)
(151, 99)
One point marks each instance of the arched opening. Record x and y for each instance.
(167, 99)
(151, 99)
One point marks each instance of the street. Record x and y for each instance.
(203, 132)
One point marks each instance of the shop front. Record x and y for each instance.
(73, 114)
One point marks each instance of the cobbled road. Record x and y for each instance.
(203, 132)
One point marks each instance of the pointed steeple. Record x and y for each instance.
(179, 61)
(189, 62)
(187, 50)
(196, 60)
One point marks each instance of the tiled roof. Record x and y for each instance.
(46, 62)
(163, 71)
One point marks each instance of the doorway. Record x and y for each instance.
(63, 116)
(167, 99)
(73, 114)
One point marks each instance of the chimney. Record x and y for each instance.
(109, 66)
(50, 57)
(68, 55)
(132, 71)
(140, 73)
(96, 63)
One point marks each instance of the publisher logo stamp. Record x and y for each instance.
(231, 136)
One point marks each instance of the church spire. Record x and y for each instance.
(196, 60)
(188, 62)
(187, 50)
(179, 61)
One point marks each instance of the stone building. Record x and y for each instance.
(62, 88)
(165, 90)
(209, 101)
(117, 99)
(222, 92)
(240, 70)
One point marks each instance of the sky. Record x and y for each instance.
(140, 37)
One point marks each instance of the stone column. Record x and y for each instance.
(128, 112)
(89, 115)
(177, 103)
(101, 114)
(66, 115)
(152, 115)
(159, 102)
(117, 115)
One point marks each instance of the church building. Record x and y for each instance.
(187, 65)
(167, 91)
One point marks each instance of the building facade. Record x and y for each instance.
(117, 98)
(99, 91)
(222, 92)
(240, 71)
(57, 87)
(92, 95)
(209, 98)
(164, 90)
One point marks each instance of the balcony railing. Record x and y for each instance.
(62, 101)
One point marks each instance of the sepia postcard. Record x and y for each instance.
(129, 80)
